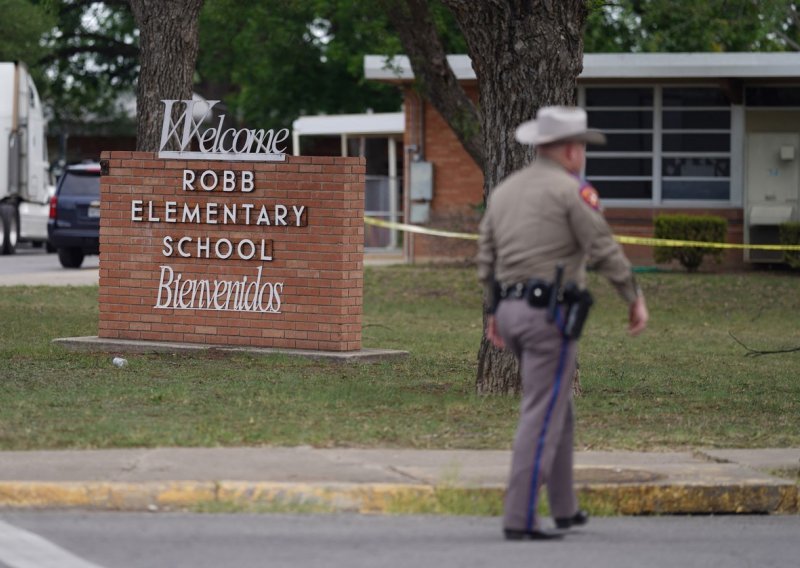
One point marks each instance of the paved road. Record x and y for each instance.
(125, 540)
(33, 266)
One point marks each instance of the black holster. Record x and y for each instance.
(578, 302)
(494, 297)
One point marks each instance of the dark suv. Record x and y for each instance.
(74, 225)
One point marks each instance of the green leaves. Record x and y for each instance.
(279, 60)
(90, 67)
(21, 27)
(688, 26)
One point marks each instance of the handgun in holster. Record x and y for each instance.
(494, 297)
(578, 303)
(555, 293)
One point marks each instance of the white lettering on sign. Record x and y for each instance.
(223, 249)
(209, 180)
(247, 182)
(136, 210)
(151, 217)
(169, 211)
(245, 249)
(216, 143)
(213, 213)
(177, 293)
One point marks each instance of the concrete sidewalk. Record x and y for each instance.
(383, 480)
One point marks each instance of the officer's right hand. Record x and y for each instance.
(638, 316)
(492, 334)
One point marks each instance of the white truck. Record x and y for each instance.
(25, 187)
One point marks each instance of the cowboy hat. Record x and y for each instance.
(558, 124)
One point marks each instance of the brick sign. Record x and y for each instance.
(260, 254)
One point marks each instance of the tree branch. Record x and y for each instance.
(758, 353)
(434, 77)
(792, 43)
(795, 14)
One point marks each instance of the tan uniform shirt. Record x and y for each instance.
(543, 215)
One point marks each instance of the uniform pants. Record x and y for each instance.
(543, 443)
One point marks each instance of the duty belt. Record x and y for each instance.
(550, 296)
(537, 292)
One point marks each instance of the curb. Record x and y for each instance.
(389, 498)
(694, 499)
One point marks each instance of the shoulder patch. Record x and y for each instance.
(590, 196)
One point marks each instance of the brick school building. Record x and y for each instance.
(695, 133)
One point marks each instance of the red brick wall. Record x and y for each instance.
(319, 264)
(457, 183)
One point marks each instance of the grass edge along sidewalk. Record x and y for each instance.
(277, 497)
(307, 480)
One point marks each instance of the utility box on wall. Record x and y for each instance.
(773, 190)
(420, 191)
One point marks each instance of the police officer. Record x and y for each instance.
(542, 224)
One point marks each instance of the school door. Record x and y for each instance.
(383, 192)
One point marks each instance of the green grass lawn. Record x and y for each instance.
(684, 383)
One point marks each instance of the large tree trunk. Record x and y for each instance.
(526, 54)
(168, 40)
(498, 371)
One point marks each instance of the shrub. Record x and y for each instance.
(689, 228)
(790, 235)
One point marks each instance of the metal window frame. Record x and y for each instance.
(735, 155)
(765, 109)
(722, 203)
(695, 154)
(620, 108)
(616, 202)
(669, 108)
(695, 178)
(695, 131)
(627, 130)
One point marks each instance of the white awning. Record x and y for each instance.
(350, 124)
(625, 66)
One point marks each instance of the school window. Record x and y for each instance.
(623, 168)
(695, 144)
(664, 145)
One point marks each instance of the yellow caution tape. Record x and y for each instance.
(647, 241)
(626, 240)
(419, 230)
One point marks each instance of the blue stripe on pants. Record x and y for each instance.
(540, 447)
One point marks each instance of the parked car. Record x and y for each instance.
(74, 225)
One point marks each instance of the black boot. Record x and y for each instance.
(576, 520)
(514, 534)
